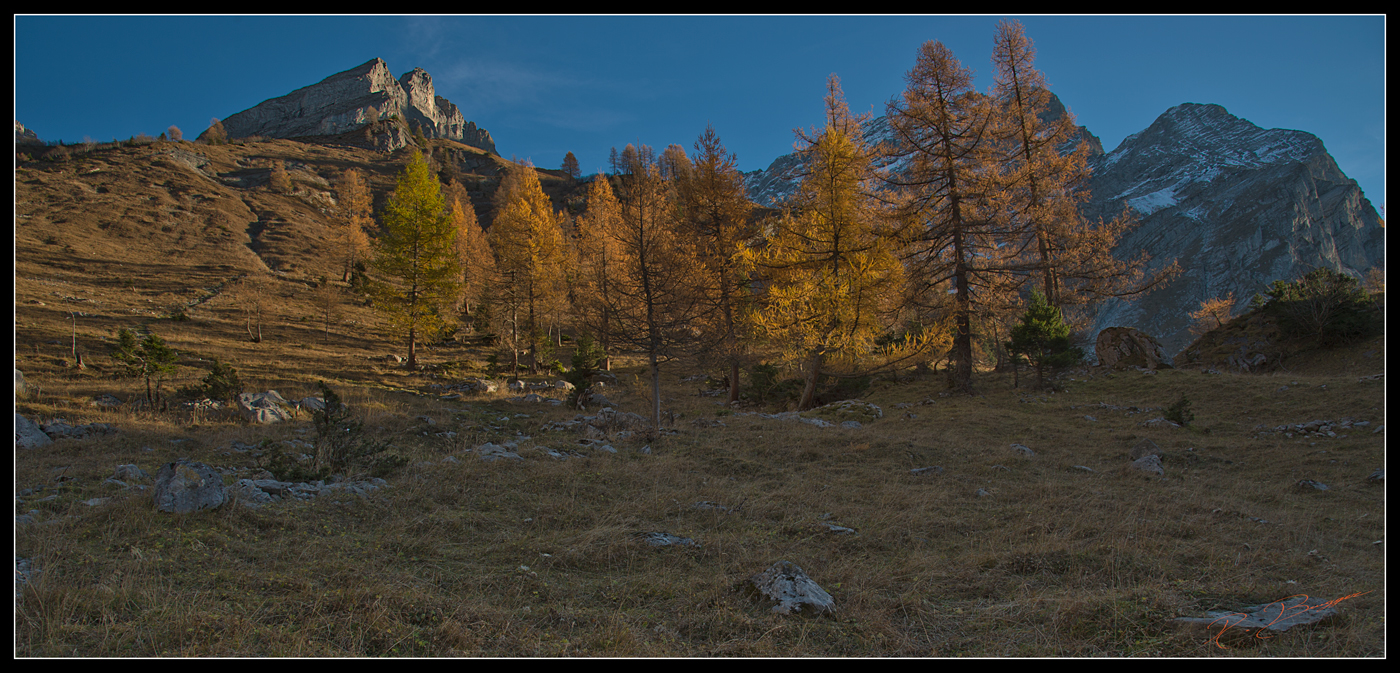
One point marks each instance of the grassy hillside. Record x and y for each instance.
(458, 556)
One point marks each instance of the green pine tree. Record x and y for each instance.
(418, 265)
(150, 359)
(1043, 338)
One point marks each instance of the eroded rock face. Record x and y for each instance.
(349, 100)
(1122, 347)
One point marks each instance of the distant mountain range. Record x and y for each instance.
(1237, 206)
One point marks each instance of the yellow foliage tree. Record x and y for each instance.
(834, 280)
(1213, 313)
(353, 212)
(527, 238)
(1043, 187)
(656, 295)
(473, 252)
(715, 212)
(597, 260)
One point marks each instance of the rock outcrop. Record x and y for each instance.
(352, 99)
(24, 136)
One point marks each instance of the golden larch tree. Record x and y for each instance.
(654, 299)
(596, 261)
(715, 213)
(528, 241)
(947, 190)
(354, 208)
(833, 279)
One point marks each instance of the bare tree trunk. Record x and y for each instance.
(809, 391)
(77, 358)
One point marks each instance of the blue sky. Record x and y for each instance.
(544, 86)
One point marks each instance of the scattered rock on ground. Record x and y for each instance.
(1160, 422)
(28, 435)
(60, 429)
(186, 486)
(1149, 463)
(1276, 616)
(492, 452)
(268, 407)
(1143, 448)
(667, 540)
(786, 583)
(129, 473)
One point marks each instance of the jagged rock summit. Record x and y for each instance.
(350, 100)
(1236, 205)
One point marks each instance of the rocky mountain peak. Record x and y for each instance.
(1237, 206)
(349, 100)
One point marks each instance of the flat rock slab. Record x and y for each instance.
(1276, 616)
(786, 583)
(667, 540)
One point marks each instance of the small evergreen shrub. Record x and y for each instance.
(340, 439)
(222, 383)
(1180, 412)
(1326, 306)
(587, 360)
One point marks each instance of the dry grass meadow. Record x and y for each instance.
(542, 557)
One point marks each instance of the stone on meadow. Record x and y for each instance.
(186, 486)
(786, 583)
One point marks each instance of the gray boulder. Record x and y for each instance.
(28, 435)
(268, 407)
(1149, 463)
(1124, 347)
(786, 583)
(186, 486)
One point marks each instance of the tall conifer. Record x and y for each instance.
(833, 277)
(416, 259)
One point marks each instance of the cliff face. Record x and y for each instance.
(348, 100)
(1237, 206)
